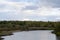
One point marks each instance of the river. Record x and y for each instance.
(32, 35)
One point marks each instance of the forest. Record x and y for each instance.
(29, 25)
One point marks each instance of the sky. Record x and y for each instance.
(30, 10)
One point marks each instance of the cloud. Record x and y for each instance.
(51, 3)
(26, 19)
(29, 9)
(44, 11)
(13, 5)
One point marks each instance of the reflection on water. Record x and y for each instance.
(32, 35)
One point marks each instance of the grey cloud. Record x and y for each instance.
(53, 3)
(2, 5)
(30, 8)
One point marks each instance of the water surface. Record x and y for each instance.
(32, 35)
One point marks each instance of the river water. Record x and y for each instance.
(32, 35)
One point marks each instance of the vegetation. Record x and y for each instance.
(57, 29)
(6, 26)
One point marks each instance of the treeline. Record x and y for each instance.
(27, 25)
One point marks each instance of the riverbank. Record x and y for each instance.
(6, 33)
(29, 25)
(10, 32)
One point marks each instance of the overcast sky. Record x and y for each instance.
(39, 10)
